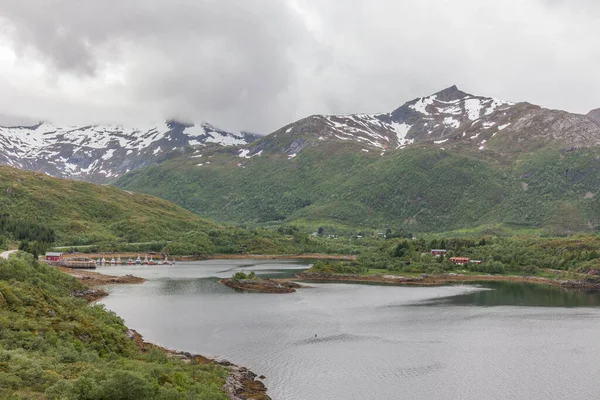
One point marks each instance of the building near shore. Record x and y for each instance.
(53, 256)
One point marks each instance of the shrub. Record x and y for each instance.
(239, 276)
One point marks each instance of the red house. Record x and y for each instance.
(53, 256)
(460, 260)
(438, 252)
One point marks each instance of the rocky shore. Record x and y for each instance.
(241, 384)
(261, 285)
(94, 280)
(431, 280)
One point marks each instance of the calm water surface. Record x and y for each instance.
(491, 341)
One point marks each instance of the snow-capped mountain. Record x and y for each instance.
(449, 117)
(434, 118)
(101, 153)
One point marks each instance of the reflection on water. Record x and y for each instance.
(350, 341)
(523, 294)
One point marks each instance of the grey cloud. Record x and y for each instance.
(258, 64)
(225, 60)
(16, 120)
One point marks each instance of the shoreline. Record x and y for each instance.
(315, 256)
(437, 280)
(241, 383)
(94, 281)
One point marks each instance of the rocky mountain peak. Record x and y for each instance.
(594, 115)
(452, 93)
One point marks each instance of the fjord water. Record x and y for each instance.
(349, 341)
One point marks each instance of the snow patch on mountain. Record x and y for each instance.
(108, 155)
(401, 130)
(473, 108)
(244, 153)
(422, 104)
(451, 122)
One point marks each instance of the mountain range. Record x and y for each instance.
(448, 161)
(102, 153)
(449, 117)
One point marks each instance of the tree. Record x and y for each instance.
(240, 275)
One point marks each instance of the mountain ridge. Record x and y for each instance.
(433, 164)
(101, 153)
(448, 118)
(450, 160)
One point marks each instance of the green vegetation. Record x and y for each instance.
(529, 256)
(55, 346)
(338, 267)
(36, 207)
(39, 211)
(420, 189)
(240, 275)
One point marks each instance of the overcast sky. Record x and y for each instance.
(259, 64)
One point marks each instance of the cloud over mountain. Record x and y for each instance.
(257, 64)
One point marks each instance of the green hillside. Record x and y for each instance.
(55, 346)
(82, 213)
(420, 189)
(41, 211)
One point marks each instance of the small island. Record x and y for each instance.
(251, 283)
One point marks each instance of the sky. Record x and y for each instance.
(257, 65)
